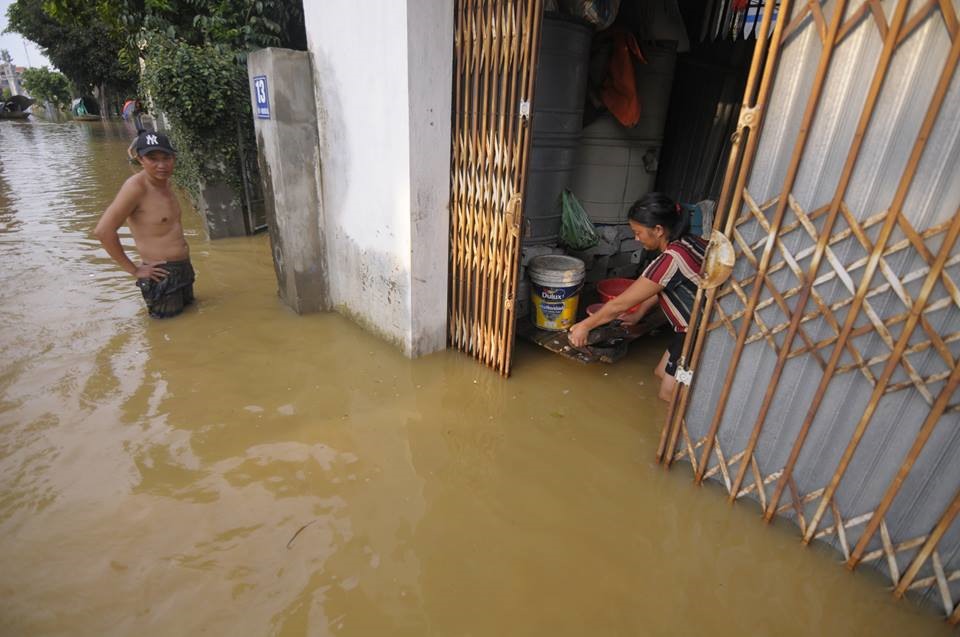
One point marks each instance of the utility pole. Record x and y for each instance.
(9, 71)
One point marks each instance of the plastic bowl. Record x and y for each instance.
(610, 289)
(592, 309)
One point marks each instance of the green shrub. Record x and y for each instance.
(202, 90)
(45, 85)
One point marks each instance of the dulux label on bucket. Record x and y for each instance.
(555, 308)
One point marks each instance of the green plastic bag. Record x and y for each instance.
(576, 230)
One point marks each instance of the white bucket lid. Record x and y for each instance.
(556, 269)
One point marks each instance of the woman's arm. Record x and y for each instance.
(641, 290)
(634, 317)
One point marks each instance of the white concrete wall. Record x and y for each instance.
(382, 75)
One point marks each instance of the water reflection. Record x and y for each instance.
(8, 222)
(243, 470)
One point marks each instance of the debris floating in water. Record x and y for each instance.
(290, 541)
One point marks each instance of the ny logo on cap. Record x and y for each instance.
(151, 140)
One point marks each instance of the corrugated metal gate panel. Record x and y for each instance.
(495, 45)
(844, 416)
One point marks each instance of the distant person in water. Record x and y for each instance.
(147, 204)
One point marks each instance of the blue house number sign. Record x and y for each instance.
(262, 97)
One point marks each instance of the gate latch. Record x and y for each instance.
(524, 109)
(748, 117)
(684, 376)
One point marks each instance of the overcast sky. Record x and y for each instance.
(14, 43)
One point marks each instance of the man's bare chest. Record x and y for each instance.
(156, 212)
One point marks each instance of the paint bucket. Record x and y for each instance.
(555, 291)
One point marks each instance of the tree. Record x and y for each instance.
(84, 48)
(5, 56)
(238, 24)
(48, 86)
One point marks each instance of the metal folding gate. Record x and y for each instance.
(495, 45)
(825, 369)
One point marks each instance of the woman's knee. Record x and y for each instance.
(667, 387)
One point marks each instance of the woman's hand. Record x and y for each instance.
(642, 292)
(578, 334)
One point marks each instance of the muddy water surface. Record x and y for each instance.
(241, 470)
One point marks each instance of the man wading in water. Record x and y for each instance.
(148, 206)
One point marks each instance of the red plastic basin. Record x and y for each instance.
(609, 289)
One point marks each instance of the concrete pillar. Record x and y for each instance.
(430, 86)
(222, 209)
(289, 158)
(383, 92)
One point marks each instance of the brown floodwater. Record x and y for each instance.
(241, 470)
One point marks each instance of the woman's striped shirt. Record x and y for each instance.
(678, 269)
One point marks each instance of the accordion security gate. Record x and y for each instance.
(495, 44)
(825, 369)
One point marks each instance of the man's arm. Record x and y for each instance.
(115, 215)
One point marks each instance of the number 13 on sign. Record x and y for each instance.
(261, 96)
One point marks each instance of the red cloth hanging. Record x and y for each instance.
(619, 93)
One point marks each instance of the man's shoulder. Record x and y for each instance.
(135, 184)
(130, 195)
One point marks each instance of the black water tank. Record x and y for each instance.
(559, 95)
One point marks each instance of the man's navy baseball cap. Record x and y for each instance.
(148, 141)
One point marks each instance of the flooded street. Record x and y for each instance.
(241, 470)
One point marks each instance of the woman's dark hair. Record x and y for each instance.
(656, 209)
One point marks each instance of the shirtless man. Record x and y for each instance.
(148, 206)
